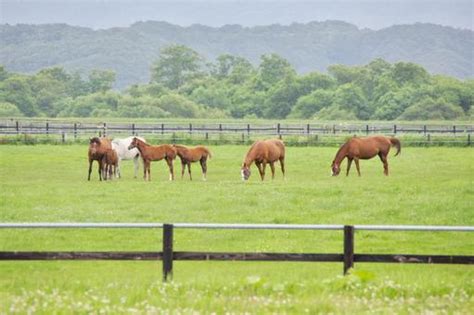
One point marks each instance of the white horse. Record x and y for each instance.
(121, 147)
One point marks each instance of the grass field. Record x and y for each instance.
(48, 183)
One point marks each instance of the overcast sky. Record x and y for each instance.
(373, 14)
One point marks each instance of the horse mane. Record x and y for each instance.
(94, 140)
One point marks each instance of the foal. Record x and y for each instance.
(110, 164)
(263, 152)
(189, 155)
(97, 148)
(154, 153)
(364, 148)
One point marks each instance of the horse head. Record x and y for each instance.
(245, 172)
(134, 143)
(94, 144)
(335, 168)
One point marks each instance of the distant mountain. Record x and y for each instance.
(308, 47)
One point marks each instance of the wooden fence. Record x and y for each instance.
(75, 129)
(348, 256)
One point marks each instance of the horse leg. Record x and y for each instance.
(189, 170)
(349, 162)
(117, 169)
(144, 169)
(282, 164)
(90, 170)
(383, 158)
(272, 166)
(264, 164)
(356, 160)
(203, 162)
(259, 167)
(100, 169)
(149, 170)
(170, 165)
(135, 162)
(183, 168)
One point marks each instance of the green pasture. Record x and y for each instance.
(426, 186)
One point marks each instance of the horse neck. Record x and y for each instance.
(341, 154)
(249, 159)
(142, 147)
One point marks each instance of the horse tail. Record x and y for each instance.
(209, 155)
(396, 143)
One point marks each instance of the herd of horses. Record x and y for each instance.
(109, 153)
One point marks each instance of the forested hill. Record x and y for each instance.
(308, 47)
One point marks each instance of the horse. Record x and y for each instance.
(263, 152)
(121, 147)
(154, 153)
(364, 148)
(97, 148)
(189, 155)
(110, 164)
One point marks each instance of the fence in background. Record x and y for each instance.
(34, 127)
(348, 256)
(38, 131)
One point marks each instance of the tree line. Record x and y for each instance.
(184, 84)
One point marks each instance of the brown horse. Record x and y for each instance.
(263, 152)
(110, 164)
(364, 148)
(189, 155)
(154, 153)
(97, 148)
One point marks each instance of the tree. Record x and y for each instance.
(176, 65)
(350, 97)
(404, 73)
(308, 105)
(430, 109)
(273, 69)
(101, 80)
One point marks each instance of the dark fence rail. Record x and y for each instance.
(168, 255)
(33, 127)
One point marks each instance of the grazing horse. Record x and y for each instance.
(189, 155)
(154, 153)
(364, 148)
(110, 164)
(263, 152)
(97, 148)
(121, 147)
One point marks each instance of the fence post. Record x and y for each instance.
(220, 128)
(190, 128)
(348, 248)
(75, 131)
(47, 128)
(395, 129)
(366, 129)
(278, 128)
(133, 129)
(424, 130)
(167, 252)
(17, 127)
(105, 129)
(334, 129)
(162, 128)
(468, 139)
(248, 129)
(207, 136)
(307, 129)
(63, 137)
(454, 129)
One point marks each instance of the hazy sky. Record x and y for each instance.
(374, 14)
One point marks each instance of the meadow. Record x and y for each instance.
(426, 186)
